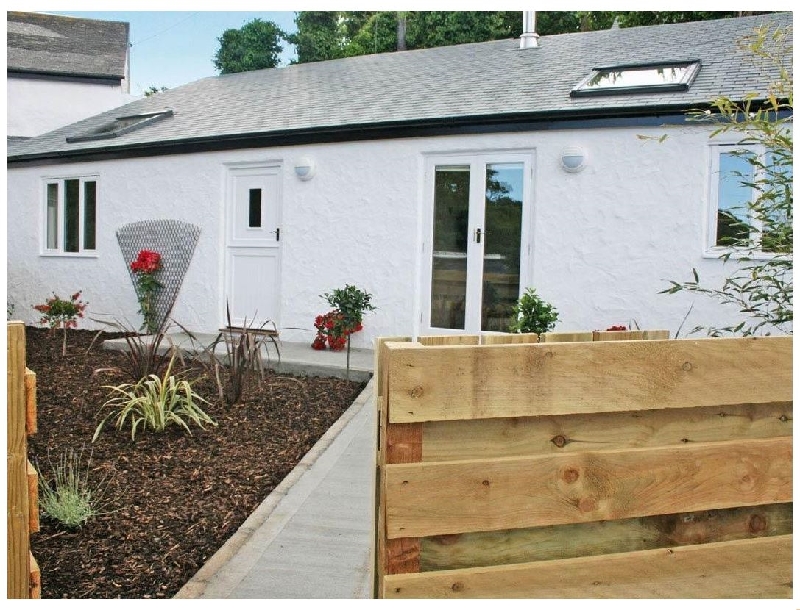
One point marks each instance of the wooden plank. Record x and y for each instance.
(402, 555)
(449, 340)
(30, 402)
(477, 549)
(18, 545)
(656, 335)
(509, 338)
(518, 436)
(617, 335)
(33, 499)
(565, 337)
(403, 446)
(381, 374)
(380, 360)
(757, 568)
(430, 499)
(403, 443)
(34, 578)
(474, 382)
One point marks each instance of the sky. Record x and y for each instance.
(172, 48)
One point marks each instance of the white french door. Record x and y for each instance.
(476, 250)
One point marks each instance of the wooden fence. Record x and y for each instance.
(23, 580)
(632, 469)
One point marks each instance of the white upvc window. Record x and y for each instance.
(736, 172)
(70, 216)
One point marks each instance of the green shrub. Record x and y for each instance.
(533, 315)
(155, 402)
(66, 496)
(351, 302)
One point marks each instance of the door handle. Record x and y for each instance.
(477, 235)
(277, 234)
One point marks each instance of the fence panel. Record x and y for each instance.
(22, 483)
(607, 468)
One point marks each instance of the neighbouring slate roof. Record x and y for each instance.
(39, 43)
(464, 84)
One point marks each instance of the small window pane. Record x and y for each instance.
(735, 193)
(52, 216)
(89, 215)
(255, 209)
(71, 215)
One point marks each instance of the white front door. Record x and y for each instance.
(476, 251)
(253, 246)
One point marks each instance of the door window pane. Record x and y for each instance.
(450, 227)
(89, 215)
(254, 209)
(52, 216)
(71, 215)
(502, 235)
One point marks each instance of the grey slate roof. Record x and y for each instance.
(477, 83)
(52, 44)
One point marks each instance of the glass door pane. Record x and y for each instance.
(502, 241)
(450, 232)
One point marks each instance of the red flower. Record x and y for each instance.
(319, 343)
(147, 261)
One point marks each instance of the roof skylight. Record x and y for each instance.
(641, 78)
(120, 125)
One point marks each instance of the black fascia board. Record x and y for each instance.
(65, 76)
(509, 123)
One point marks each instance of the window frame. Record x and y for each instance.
(712, 249)
(60, 233)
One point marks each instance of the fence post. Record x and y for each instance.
(18, 548)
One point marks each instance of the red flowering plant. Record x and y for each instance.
(60, 313)
(335, 327)
(333, 330)
(145, 267)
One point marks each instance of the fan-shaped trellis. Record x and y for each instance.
(175, 241)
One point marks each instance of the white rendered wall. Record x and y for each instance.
(36, 106)
(604, 241)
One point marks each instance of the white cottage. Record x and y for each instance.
(443, 181)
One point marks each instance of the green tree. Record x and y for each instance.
(325, 35)
(254, 46)
(760, 235)
(152, 90)
(318, 37)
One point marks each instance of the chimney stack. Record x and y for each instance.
(529, 38)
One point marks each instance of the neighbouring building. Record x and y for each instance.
(63, 69)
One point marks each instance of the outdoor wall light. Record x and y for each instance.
(573, 160)
(304, 168)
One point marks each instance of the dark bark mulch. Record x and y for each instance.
(169, 500)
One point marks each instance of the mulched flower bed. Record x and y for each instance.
(170, 500)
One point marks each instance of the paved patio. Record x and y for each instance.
(295, 358)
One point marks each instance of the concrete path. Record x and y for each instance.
(312, 537)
